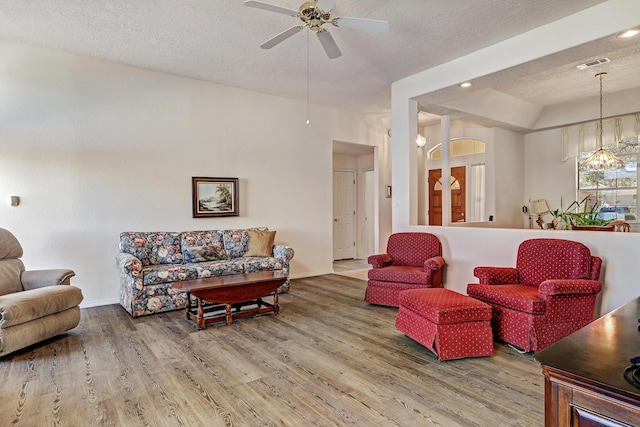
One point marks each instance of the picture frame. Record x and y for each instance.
(214, 197)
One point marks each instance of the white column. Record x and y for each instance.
(445, 137)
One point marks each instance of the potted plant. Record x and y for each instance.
(558, 221)
(578, 216)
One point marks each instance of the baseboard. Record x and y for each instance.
(310, 274)
(96, 303)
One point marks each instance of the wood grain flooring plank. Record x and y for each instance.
(328, 358)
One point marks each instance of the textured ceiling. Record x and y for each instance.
(218, 40)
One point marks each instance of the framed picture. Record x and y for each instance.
(214, 196)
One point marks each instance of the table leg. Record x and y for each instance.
(276, 307)
(229, 319)
(200, 318)
(188, 304)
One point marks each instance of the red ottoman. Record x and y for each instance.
(449, 324)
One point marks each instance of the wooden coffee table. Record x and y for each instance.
(216, 296)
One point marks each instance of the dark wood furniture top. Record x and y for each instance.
(584, 378)
(216, 296)
(227, 281)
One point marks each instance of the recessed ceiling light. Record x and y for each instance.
(629, 33)
(466, 84)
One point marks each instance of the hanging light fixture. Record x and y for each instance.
(601, 159)
(421, 141)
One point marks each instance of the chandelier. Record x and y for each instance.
(601, 159)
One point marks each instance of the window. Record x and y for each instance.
(455, 184)
(615, 192)
(459, 147)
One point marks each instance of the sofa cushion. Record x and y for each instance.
(543, 259)
(218, 268)
(135, 243)
(518, 296)
(22, 307)
(152, 248)
(235, 242)
(10, 270)
(164, 248)
(413, 248)
(165, 273)
(260, 243)
(200, 246)
(9, 245)
(401, 273)
(253, 264)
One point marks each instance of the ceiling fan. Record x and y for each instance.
(314, 14)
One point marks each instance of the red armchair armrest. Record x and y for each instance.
(568, 287)
(496, 275)
(434, 264)
(380, 260)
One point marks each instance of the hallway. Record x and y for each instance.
(356, 268)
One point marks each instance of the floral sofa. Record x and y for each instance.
(150, 261)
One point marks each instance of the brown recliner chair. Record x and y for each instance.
(32, 307)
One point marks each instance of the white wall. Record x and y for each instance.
(508, 154)
(95, 148)
(548, 176)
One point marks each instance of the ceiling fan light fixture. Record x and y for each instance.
(601, 159)
(314, 14)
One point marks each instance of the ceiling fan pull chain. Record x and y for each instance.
(308, 75)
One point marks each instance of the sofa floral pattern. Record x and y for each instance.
(149, 262)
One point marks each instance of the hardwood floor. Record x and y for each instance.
(328, 358)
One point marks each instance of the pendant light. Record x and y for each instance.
(601, 159)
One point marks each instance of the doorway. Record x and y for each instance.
(458, 195)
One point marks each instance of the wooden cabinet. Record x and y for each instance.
(584, 373)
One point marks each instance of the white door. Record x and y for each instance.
(344, 214)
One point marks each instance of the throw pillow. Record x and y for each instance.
(260, 243)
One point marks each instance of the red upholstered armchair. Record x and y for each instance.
(550, 294)
(412, 261)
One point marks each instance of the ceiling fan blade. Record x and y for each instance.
(281, 37)
(326, 5)
(328, 44)
(270, 7)
(363, 24)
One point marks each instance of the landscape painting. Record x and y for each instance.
(214, 196)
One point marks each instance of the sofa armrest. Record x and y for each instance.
(128, 264)
(282, 251)
(568, 287)
(434, 264)
(34, 279)
(379, 260)
(496, 275)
